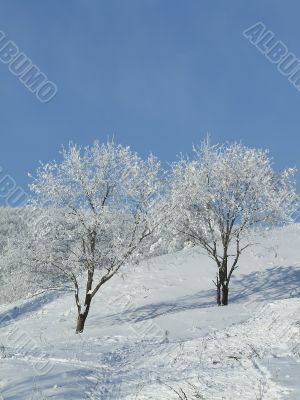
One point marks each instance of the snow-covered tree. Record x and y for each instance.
(221, 195)
(15, 276)
(98, 204)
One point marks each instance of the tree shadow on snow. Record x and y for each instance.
(154, 310)
(28, 307)
(272, 284)
(68, 383)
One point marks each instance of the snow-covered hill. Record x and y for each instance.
(156, 330)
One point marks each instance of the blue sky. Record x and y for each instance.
(155, 74)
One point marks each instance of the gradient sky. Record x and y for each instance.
(155, 74)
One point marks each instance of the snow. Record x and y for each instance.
(157, 328)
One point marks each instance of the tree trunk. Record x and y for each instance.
(80, 323)
(82, 316)
(218, 294)
(223, 284)
(224, 299)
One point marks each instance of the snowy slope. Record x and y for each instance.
(156, 329)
